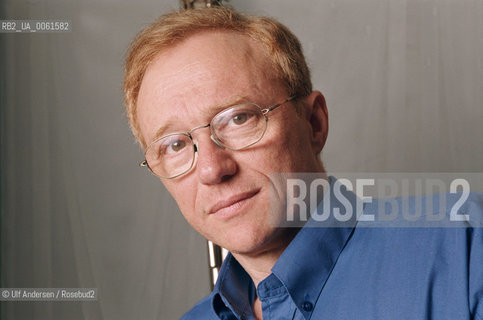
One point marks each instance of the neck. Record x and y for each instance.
(258, 265)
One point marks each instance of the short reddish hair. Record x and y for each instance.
(283, 49)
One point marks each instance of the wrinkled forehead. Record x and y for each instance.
(204, 72)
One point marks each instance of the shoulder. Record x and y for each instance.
(457, 209)
(202, 310)
(449, 222)
(474, 201)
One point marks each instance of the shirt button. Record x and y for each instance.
(307, 306)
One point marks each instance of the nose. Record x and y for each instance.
(214, 164)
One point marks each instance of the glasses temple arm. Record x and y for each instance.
(267, 110)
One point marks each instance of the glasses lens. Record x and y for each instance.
(239, 126)
(170, 156)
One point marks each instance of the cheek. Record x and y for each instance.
(289, 149)
(185, 199)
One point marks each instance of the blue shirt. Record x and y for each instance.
(360, 272)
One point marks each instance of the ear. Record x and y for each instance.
(318, 119)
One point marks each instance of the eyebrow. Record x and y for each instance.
(213, 111)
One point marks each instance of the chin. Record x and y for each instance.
(256, 242)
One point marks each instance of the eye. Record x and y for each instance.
(177, 145)
(172, 145)
(240, 118)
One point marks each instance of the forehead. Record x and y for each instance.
(203, 58)
(191, 80)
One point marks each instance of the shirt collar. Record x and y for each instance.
(308, 260)
(303, 267)
(235, 288)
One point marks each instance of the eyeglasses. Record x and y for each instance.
(235, 128)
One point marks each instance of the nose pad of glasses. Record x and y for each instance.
(218, 143)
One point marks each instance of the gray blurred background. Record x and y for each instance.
(403, 83)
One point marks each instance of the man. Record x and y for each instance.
(219, 102)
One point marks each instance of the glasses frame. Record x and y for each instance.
(264, 111)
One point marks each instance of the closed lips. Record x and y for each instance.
(232, 200)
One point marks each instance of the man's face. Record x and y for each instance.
(226, 196)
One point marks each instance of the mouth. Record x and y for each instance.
(233, 204)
